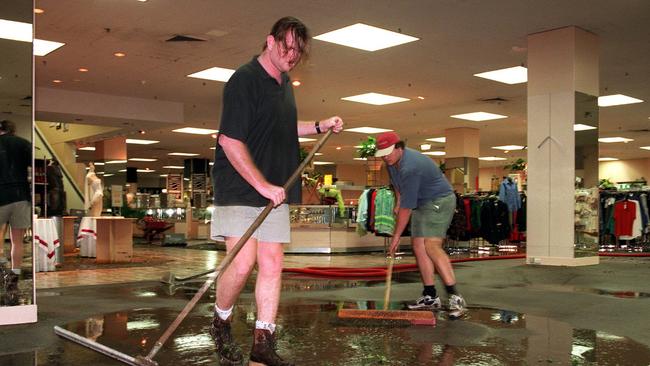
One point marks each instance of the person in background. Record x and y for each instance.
(424, 196)
(257, 151)
(15, 200)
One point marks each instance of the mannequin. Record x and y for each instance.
(94, 193)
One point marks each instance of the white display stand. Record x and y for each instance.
(46, 240)
(87, 237)
(18, 314)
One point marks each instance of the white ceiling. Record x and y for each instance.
(457, 39)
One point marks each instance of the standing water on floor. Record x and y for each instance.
(311, 334)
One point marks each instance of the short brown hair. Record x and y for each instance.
(299, 30)
(7, 127)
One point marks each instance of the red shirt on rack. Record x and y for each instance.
(624, 216)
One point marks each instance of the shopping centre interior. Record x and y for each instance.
(124, 92)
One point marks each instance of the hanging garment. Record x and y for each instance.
(384, 205)
(509, 194)
(362, 213)
(495, 225)
(458, 228)
(636, 222)
(624, 215)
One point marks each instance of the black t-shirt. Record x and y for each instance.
(261, 114)
(15, 157)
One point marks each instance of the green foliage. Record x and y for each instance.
(605, 183)
(303, 153)
(517, 165)
(368, 148)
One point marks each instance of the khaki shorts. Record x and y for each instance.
(233, 221)
(17, 214)
(432, 219)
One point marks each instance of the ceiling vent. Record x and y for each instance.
(494, 100)
(184, 38)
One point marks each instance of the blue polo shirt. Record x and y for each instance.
(418, 179)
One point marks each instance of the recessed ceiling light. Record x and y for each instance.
(425, 147)
(338, 148)
(607, 159)
(182, 154)
(296, 83)
(119, 54)
(508, 147)
(211, 163)
(478, 116)
(616, 99)
(141, 142)
(87, 148)
(173, 167)
(420, 97)
(323, 162)
(38, 11)
(213, 148)
(435, 153)
(213, 73)
(491, 158)
(42, 47)
(145, 170)
(375, 99)
(82, 69)
(645, 147)
(195, 131)
(163, 175)
(214, 135)
(142, 159)
(581, 127)
(609, 140)
(57, 81)
(318, 154)
(365, 37)
(98, 163)
(305, 139)
(367, 130)
(510, 75)
(438, 139)
(116, 162)
(109, 174)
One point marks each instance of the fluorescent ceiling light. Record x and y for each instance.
(478, 116)
(142, 159)
(438, 139)
(99, 163)
(491, 158)
(15, 31)
(609, 140)
(87, 148)
(318, 154)
(213, 73)
(323, 162)
(435, 153)
(375, 99)
(43, 47)
(425, 146)
(182, 154)
(173, 167)
(109, 174)
(145, 170)
(365, 37)
(607, 159)
(163, 175)
(508, 147)
(195, 131)
(616, 99)
(645, 147)
(116, 162)
(581, 127)
(305, 139)
(213, 148)
(511, 75)
(211, 163)
(367, 130)
(360, 158)
(141, 142)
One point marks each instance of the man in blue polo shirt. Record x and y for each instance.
(424, 195)
(256, 153)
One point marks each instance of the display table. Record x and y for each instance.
(87, 237)
(47, 241)
(114, 239)
(68, 234)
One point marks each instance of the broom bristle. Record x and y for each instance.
(413, 317)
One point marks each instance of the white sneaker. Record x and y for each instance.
(426, 302)
(457, 306)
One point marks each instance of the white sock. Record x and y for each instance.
(16, 271)
(265, 325)
(223, 314)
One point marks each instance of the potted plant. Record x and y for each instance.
(373, 165)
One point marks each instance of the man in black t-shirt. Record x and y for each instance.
(15, 197)
(256, 153)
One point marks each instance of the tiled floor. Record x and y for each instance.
(153, 262)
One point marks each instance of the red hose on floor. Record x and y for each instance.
(370, 272)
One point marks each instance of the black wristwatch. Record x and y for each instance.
(317, 125)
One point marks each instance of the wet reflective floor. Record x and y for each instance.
(311, 334)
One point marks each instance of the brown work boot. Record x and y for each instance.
(11, 295)
(263, 351)
(229, 352)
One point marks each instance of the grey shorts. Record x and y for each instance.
(432, 219)
(233, 221)
(17, 214)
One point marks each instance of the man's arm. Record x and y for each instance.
(239, 157)
(309, 127)
(403, 216)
